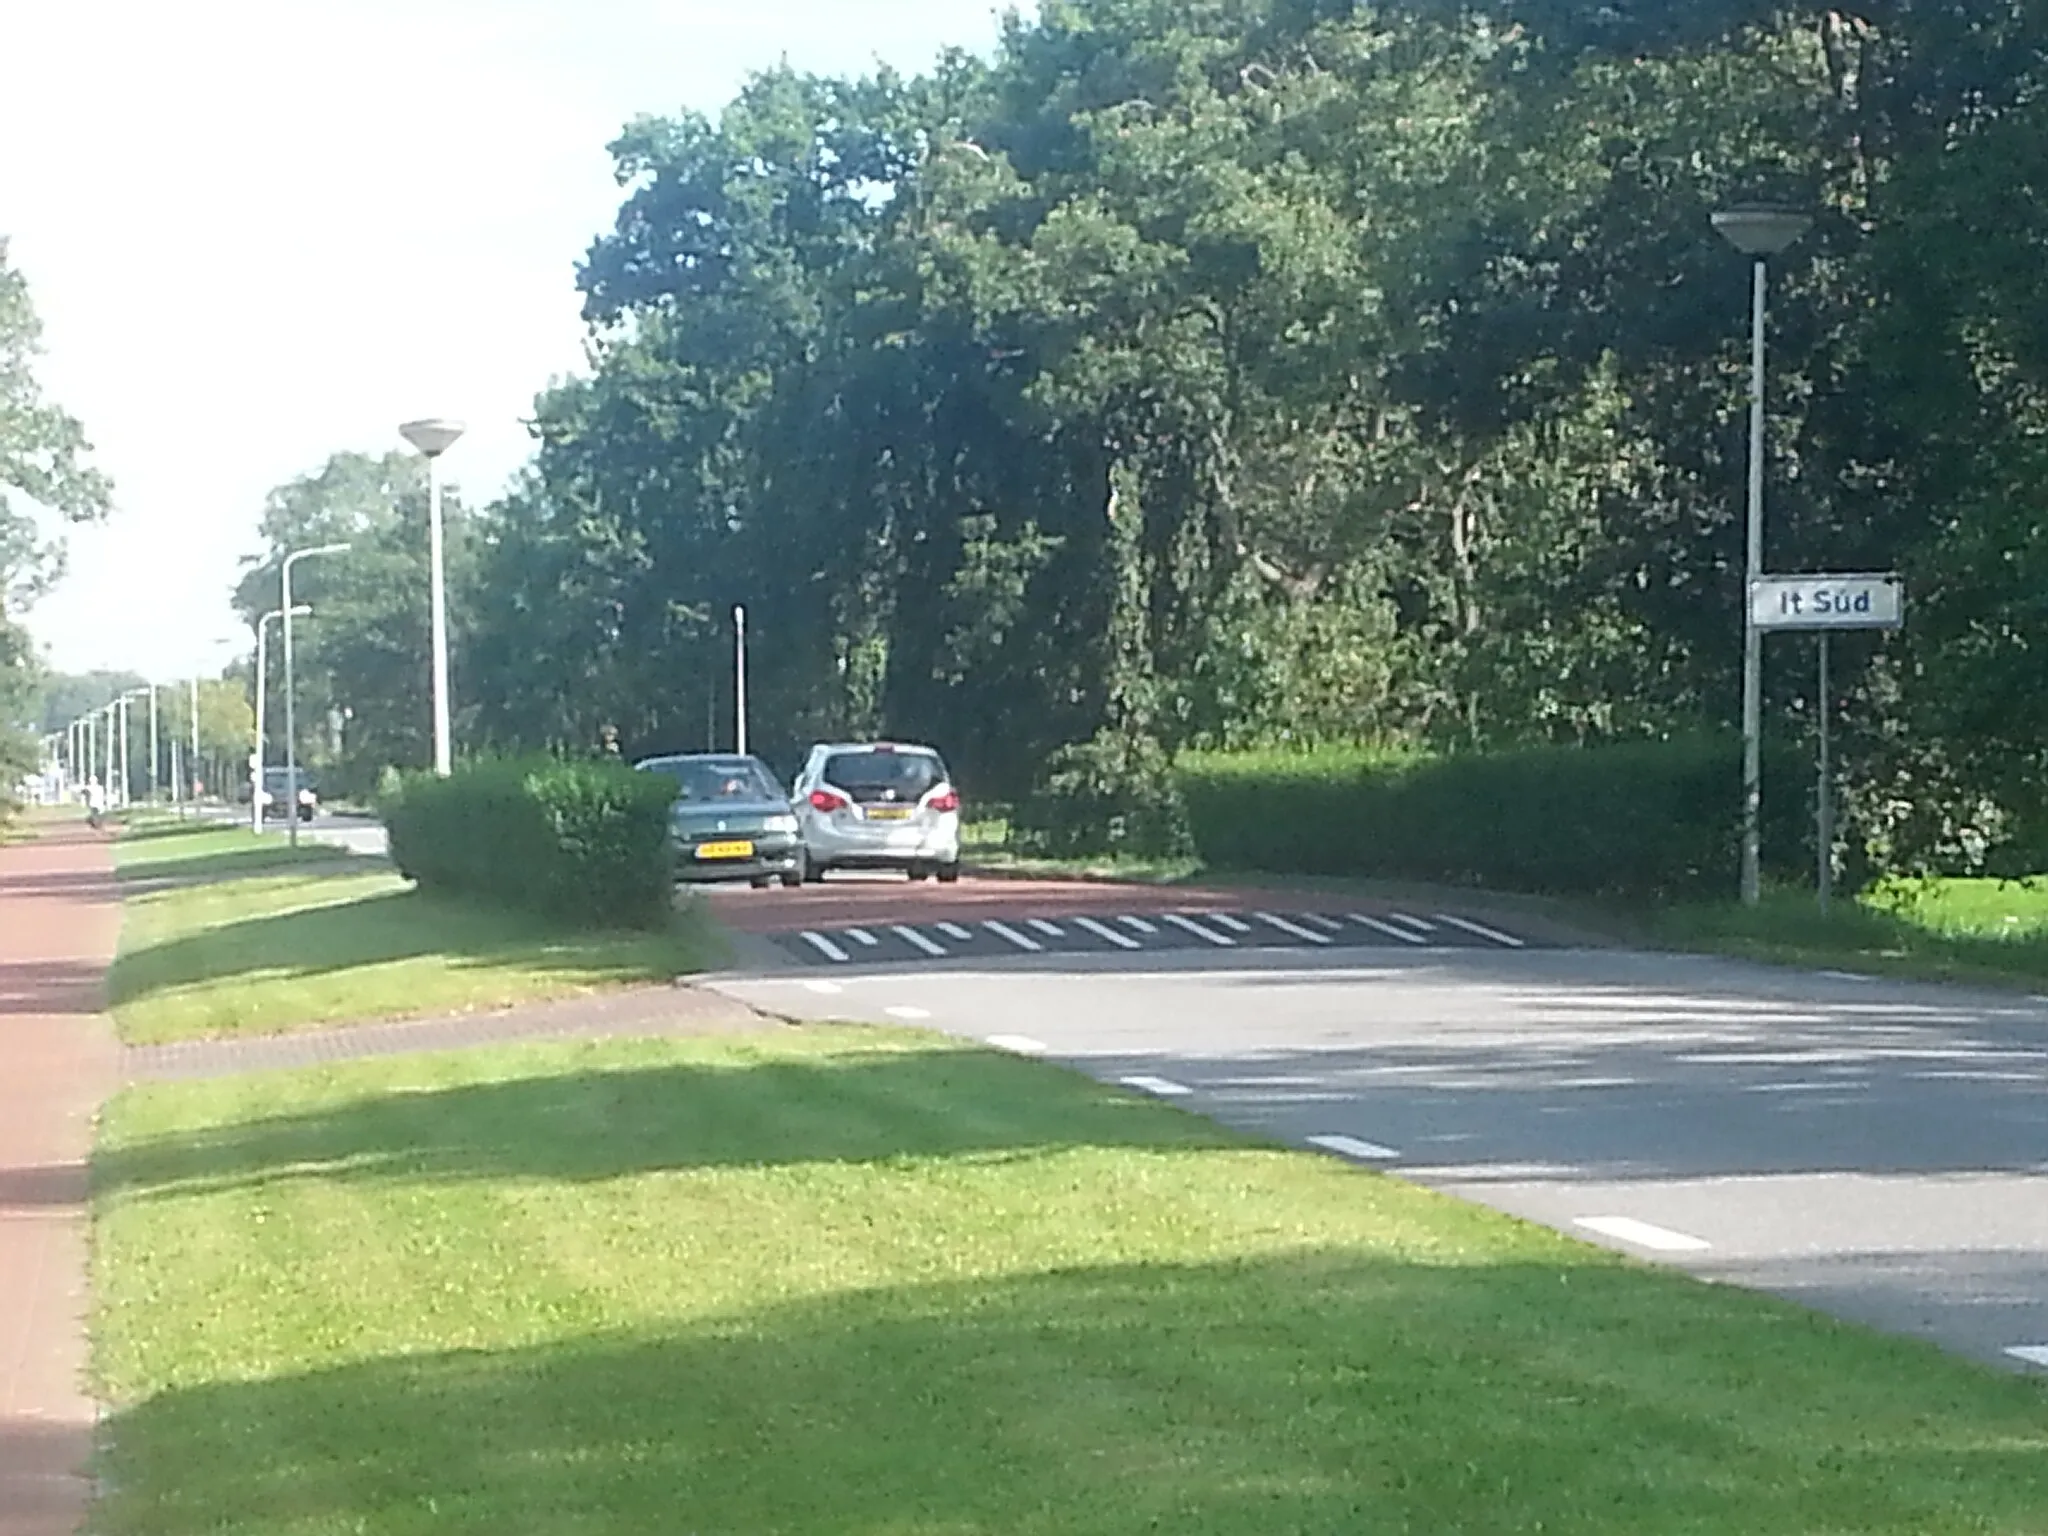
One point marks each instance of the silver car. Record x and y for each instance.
(878, 805)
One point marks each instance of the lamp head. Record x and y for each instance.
(433, 436)
(1761, 229)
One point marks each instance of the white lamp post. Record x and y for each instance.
(739, 674)
(262, 675)
(155, 745)
(291, 732)
(434, 437)
(1758, 232)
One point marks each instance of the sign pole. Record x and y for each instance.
(1824, 805)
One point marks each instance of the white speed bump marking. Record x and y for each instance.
(1005, 932)
(1627, 1229)
(1050, 930)
(1023, 1045)
(862, 936)
(1137, 925)
(1422, 924)
(1104, 931)
(1226, 920)
(824, 946)
(955, 931)
(1481, 930)
(1165, 1087)
(1189, 925)
(1351, 1146)
(2033, 1354)
(917, 940)
(1386, 928)
(1288, 926)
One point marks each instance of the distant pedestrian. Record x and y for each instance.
(95, 801)
(608, 744)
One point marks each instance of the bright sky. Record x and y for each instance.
(263, 231)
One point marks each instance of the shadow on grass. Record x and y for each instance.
(1321, 1391)
(380, 928)
(870, 1107)
(183, 869)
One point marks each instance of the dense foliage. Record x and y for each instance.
(580, 842)
(1283, 372)
(1641, 819)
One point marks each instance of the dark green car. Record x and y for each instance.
(731, 820)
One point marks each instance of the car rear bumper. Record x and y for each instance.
(884, 847)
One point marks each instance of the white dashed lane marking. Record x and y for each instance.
(1023, 1045)
(1164, 1087)
(1627, 1229)
(2032, 1354)
(906, 1012)
(1351, 1146)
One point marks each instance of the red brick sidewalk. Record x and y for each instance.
(59, 918)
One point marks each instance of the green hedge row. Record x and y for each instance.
(1652, 819)
(585, 843)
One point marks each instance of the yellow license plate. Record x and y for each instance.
(729, 850)
(889, 813)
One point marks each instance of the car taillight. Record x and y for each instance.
(946, 800)
(825, 800)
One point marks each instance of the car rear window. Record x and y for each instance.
(880, 777)
(706, 780)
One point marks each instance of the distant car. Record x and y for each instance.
(278, 798)
(730, 821)
(878, 805)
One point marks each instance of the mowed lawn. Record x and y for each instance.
(849, 1281)
(226, 933)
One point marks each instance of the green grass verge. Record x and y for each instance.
(849, 1282)
(227, 933)
(1988, 932)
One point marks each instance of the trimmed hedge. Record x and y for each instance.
(585, 843)
(1651, 819)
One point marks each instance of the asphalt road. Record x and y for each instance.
(1872, 1149)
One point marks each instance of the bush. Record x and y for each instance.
(1111, 794)
(583, 843)
(1652, 819)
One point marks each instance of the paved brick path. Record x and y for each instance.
(59, 919)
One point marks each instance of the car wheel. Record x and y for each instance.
(810, 873)
(761, 882)
(792, 878)
(949, 874)
(919, 872)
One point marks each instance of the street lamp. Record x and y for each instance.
(262, 674)
(434, 437)
(739, 676)
(1759, 232)
(291, 733)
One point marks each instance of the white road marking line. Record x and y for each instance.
(2033, 1354)
(908, 1013)
(1286, 925)
(1628, 1230)
(862, 936)
(1227, 920)
(1386, 928)
(1423, 924)
(1328, 923)
(1104, 931)
(824, 946)
(823, 988)
(1189, 925)
(1137, 925)
(955, 931)
(1050, 930)
(917, 940)
(1844, 976)
(1482, 930)
(1351, 1146)
(1023, 1045)
(1005, 931)
(1165, 1087)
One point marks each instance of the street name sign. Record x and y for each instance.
(1840, 601)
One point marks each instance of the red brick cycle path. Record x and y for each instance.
(59, 919)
